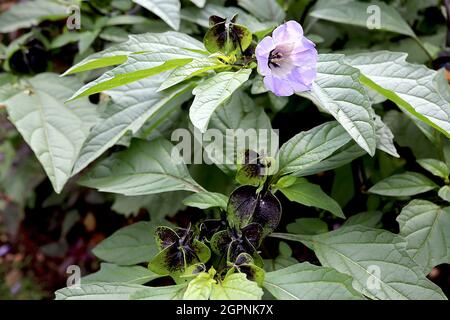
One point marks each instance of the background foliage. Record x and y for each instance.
(365, 153)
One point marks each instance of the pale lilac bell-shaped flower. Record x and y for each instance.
(287, 60)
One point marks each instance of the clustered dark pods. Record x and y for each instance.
(234, 240)
(178, 249)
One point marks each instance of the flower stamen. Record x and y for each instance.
(275, 57)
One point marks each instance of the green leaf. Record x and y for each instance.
(200, 287)
(114, 34)
(210, 94)
(19, 185)
(99, 291)
(31, 13)
(64, 39)
(239, 112)
(283, 260)
(385, 138)
(356, 13)
(304, 281)
(409, 134)
(303, 238)
(310, 147)
(359, 251)
(54, 130)
(428, 131)
(126, 20)
(130, 245)
(159, 293)
(119, 291)
(337, 90)
(436, 167)
(123, 5)
(258, 86)
(404, 184)
(167, 10)
(136, 68)
(158, 205)
(190, 70)
(277, 103)
(410, 86)
(144, 168)
(199, 3)
(15, 46)
(444, 193)
(285, 182)
(86, 40)
(343, 187)
(129, 113)
(307, 226)
(138, 44)
(369, 219)
(8, 152)
(236, 287)
(266, 10)
(6, 78)
(206, 200)
(112, 273)
(341, 157)
(310, 194)
(426, 228)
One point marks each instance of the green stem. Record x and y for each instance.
(447, 9)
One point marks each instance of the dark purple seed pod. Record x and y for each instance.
(246, 206)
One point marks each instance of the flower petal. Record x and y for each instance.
(307, 58)
(308, 75)
(264, 47)
(303, 45)
(263, 66)
(290, 31)
(262, 55)
(301, 81)
(280, 87)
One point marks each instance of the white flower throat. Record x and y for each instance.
(280, 61)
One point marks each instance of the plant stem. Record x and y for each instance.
(447, 9)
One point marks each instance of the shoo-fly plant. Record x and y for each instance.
(345, 114)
